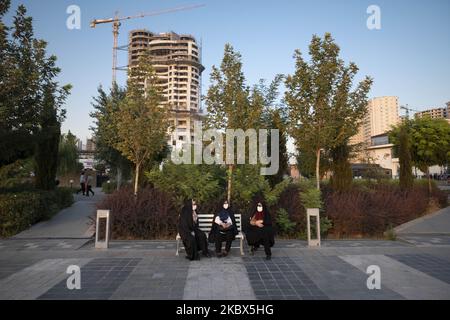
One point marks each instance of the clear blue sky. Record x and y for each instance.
(408, 57)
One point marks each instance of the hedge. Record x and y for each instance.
(20, 210)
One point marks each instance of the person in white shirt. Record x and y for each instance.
(223, 229)
(82, 183)
(89, 186)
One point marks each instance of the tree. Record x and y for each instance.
(141, 121)
(106, 133)
(68, 155)
(30, 98)
(430, 143)
(322, 108)
(228, 102)
(402, 148)
(188, 181)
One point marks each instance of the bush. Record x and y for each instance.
(151, 215)
(19, 211)
(284, 224)
(109, 187)
(370, 210)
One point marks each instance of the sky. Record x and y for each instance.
(408, 57)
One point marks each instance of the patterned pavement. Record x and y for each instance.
(37, 269)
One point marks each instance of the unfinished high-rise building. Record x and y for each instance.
(176, 59)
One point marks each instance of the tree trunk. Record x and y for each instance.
(230, 173)
(136, 179)
(119, 177)
(429, 181)
(318, 168)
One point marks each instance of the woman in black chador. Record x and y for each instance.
(193, 238)
(223, 229)
(260, 231)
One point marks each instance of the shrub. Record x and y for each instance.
(372, 209)
(108, 187)
(284, 224)
(151, 215)
(18, 211)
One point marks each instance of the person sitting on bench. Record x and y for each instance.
(223, 229)
(260, 231)
(193, 238)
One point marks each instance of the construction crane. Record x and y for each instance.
(116, 25)
(407, 109)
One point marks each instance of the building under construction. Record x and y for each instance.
(177, 63)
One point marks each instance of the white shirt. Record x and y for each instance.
(219, 222)
(82, 180)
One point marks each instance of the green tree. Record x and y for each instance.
(142, 123)
(106, 133)
(322, 108)
(188, 181)
(31, 99)
(68, 155)
(430, 143)
(228, 100)
(402, 149)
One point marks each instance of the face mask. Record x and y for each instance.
(194, 207)
(225, 206)
(259, 208)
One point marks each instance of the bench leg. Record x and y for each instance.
(242, 247)
(178, 247)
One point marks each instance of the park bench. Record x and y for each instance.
(205, 223)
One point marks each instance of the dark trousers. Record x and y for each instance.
(201, 240)
(89, 189)
(228, 237)
(82, 189)
(194, 243)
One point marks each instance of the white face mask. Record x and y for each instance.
(259, 208)
(194, 207)
(225, 206)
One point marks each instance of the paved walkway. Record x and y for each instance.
(437, 223)
(72, 222)
(150, 270)
(33, 265)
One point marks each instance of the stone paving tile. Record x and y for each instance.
(427, 240)
(34, 280)
(42, 244)
(9, 267)
(218, 279)
(340, 280)
(401, 278)
(280, 279)
(342, 243)
(155, 278)
(100, 278)
(142, 245)
(433, 266)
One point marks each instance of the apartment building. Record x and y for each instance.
(177, 63)
(382, 114)
(435, 113)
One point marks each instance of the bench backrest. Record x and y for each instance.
(205, 221)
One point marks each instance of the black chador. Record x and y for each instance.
(194, 240)
(223, 228)
(260, 231)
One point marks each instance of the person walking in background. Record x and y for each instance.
(82, 183)
(89, 186)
